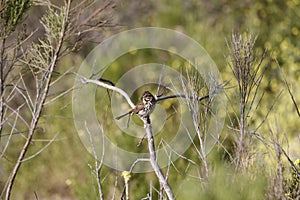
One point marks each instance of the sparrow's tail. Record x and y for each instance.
(121, 116)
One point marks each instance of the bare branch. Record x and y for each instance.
(111, 86)
(116, 89)
(97, 164)
(182, 96)
(163, 182)
(289, 89)
(269, 111)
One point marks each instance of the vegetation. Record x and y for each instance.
(257, 154)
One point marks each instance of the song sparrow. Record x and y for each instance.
(143, 109)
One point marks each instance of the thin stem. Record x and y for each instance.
(163, 182)
(2, 63)
(97, 164)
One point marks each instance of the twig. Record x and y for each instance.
(180, 155)
(289, 89)
(35, 195)
(150, 193)
(115, 185)
(42, 149)
(266, 142)
(136, 162)
(141, 140)
(182, 96)
(116, 179)
(11, 133)
(269, 111)
(98, 164)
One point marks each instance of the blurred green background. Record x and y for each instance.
(62, 172)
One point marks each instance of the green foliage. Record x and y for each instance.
(12, 12)
(52, 22)
(293, 182)
(40, 54)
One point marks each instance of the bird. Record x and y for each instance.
(143, 109)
